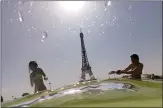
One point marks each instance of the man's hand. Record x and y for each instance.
(118, 72)
(112, 72)
(45, 78)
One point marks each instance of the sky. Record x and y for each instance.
(48, 32)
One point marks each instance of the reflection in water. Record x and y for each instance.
(86, 90)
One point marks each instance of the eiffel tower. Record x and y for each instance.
(86, 68)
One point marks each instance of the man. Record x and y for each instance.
(135, 68)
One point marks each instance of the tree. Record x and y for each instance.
(25, 94)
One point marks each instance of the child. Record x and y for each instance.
(36, 77)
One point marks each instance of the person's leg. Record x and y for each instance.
(42, 86)
(35, 89)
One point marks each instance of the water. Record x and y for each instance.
(90, 89)
(44, 36)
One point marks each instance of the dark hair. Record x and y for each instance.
(33, 63)
(135, 56)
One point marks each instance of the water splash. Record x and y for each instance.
(131, 20)
(31, 3)
(130, 7)
(20, 17)
(114, 18)
(89, 31)
(29, 11)
(87, 18)
(11, 20)
(44, 36)
(102, 25)
(130, 34)
(107, 3)
(61, 21)
(94, 6)
(21, 2)
(29, 30)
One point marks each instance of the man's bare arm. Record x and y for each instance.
(127, 69)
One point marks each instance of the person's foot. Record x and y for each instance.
(82, 80)
(93, 78)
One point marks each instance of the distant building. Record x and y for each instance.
(1, 99)
(152, 76)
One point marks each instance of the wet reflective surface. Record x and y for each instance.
(89, 89)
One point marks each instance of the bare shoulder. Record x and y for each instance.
(39, 69)
(141, 64)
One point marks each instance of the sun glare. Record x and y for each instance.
(72, 6)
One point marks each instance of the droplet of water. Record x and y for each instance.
(89, 25)
(94, 6)
(130, 34)
(86, 18)
(31, 3)
(82, 26)
(69, 28)
(100, 34)
(54, 26)
(89, 31)
(93, 22)
(102, 25)
(65, 61)
(20, 2)
(105, 9)
(57, 58)
(103, 32)
(11, 20)
(44, 36)
(130, 7)
(20, 17)
(114, 18)
(107, 3)
(61, 21)
(29, 29)
(29, 11)
(106, 22)
(132, 21)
